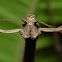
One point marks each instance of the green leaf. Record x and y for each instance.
(12, 45)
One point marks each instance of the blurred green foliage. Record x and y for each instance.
(12, 45)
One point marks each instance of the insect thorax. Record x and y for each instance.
(30, 31)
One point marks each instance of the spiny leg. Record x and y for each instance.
(51, 29)
(10, 31)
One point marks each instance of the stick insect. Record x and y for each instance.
(31, 28)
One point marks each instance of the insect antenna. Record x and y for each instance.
(10, 19)
(48, 25)
(45, 24)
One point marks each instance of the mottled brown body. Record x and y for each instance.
(30, 28)
(30, 31)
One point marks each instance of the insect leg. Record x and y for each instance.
(10, 31)
(51, 29)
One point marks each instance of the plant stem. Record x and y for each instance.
(30, 47)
